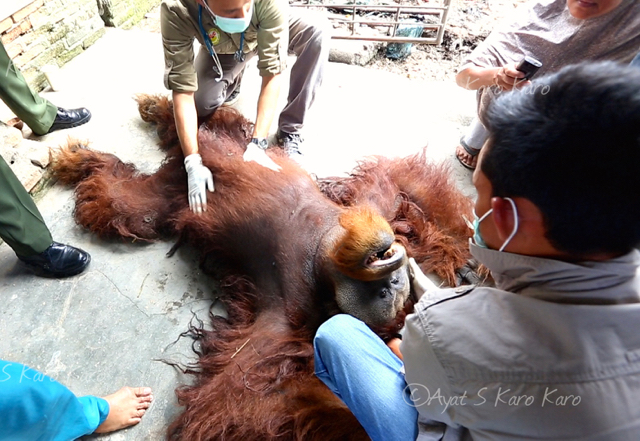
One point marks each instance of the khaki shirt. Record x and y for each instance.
(551, 353)
(268, 33)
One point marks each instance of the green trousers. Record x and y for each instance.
(35, 111)
(21, 224)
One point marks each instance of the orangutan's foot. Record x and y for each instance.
(126, 408)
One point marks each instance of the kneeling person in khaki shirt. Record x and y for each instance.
(232, 32)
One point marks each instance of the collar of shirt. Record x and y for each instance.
(610, 281)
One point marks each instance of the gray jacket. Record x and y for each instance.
(551, 353)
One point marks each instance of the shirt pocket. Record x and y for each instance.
(251, 34)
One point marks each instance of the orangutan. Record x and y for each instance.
(290, 252)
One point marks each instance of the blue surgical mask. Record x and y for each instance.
(232, 25)
(477, 237)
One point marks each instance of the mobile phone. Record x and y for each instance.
(529, 66)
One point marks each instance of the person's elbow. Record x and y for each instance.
(182, 99)
(462, 78)
(181, 95)
(271, 78)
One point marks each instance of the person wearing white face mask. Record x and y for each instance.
(551, 351)
(231, 32)
(477, 237)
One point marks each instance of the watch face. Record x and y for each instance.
(261, 142)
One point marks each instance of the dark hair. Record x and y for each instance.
(572, 148)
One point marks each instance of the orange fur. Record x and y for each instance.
(157, 108)
(264, 391)
(366, 232)
(421, 203)
(266, 227)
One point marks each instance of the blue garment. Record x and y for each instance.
(34, 407)
(363, 372)
(636, 61)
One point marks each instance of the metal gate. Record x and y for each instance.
(432, 17)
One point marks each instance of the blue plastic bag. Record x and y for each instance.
(399, 51)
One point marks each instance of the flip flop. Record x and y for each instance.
(471, 151)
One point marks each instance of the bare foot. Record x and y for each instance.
(126, 408)
(467, 160)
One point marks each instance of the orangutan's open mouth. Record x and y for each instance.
(387, 257)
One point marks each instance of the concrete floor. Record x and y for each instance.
(113, 324)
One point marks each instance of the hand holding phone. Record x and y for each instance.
(528, 66)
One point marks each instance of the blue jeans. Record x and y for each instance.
(363, 372)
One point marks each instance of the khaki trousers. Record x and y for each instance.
(308, 40)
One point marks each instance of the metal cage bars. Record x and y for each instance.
(441, 12)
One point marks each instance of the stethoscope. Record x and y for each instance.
(238, 55)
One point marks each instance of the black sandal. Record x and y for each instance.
(471, 151)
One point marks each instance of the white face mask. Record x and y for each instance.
(477, 237)
(231, 25)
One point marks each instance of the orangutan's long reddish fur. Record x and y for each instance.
(363, 227)
(266, 390)
(420, 202)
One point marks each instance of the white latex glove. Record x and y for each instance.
(255, 153)
(419, 282)
(200, 180)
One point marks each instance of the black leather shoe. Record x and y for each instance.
(58, 260)
(67, 118)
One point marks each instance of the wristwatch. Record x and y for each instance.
(260, 142)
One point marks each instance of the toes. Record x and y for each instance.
(462, 154)
(142, 391)
(464, 157)
(145, 399)
(144, 405)
(469, 159)
(133, 420)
